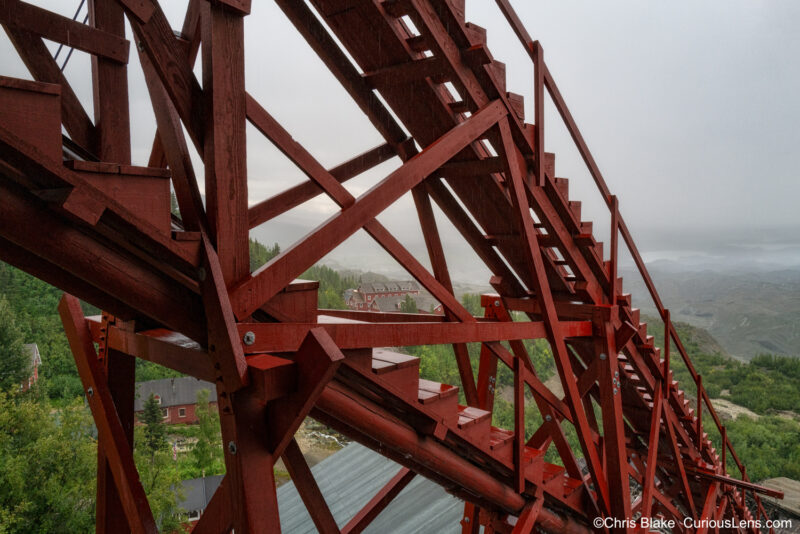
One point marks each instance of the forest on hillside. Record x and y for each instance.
(52, 423)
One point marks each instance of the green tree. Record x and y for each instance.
(47, 467)
(207, 451)
(157, 470)
(260, 254)
(14, 364)
(409, 305)
(154, 430)
(472, 302)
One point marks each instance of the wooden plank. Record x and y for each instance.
(44, 23)
(274, 337)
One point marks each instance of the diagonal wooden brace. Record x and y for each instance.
(216, 518)
(308, 489)
(109, 427)
(224, 347)
(317, 361)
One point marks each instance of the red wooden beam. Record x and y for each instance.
(109, 428)
(64, 30)
(273, 337)
(307, 488)
(224, 155)
(379, 502)
(133, 282)
(224, 345)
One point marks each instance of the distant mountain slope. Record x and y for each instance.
(750, 313)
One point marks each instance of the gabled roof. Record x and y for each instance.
(173, 391)
(197, 492)
(351, 477)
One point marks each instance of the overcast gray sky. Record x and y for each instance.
(690, 108)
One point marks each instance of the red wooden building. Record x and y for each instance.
(176, 396)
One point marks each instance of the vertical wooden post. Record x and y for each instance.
(519, 425)
(538, 92)
(724, 450)
(112, 122)
(615, 452)
(224, 151)
(110, 86)
(699, 412)
(667, 334)
(613, 242)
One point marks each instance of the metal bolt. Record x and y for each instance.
(466, 520)
(497, 303)
(232, 447)
(548, 417)
(90, 391)
(201, 274)
(249, 338)
(140, 46)
(615, 391)
(602, 355)
(616, 373)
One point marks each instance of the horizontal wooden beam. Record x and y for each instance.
(63, 30)
(276, 337)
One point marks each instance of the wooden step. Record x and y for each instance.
(562, 184)
(575, 207)
(399, 370)
(441, 398)
(475, 424)
(550, 163)
(498, 70)
(500, 443)
(476, 34)
(517, 104)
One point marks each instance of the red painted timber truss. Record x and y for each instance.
(179, 292)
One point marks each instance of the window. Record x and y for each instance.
(194, 515)
(181, 412)
(157, 398)
(164, 412)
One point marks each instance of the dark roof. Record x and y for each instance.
(197, 492)
(351, 477)
(173, 391)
